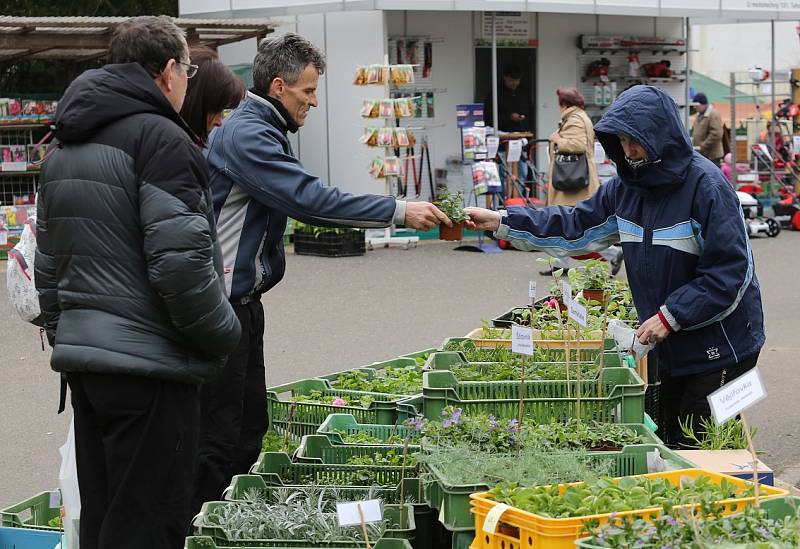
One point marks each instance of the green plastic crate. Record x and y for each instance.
(776, 508)
(452, 500)
(348, 424)
(306, 417)
(318, 449)
(278, 470)
(393, 513)
(206, 542)
(622, 399)
(582, 355)
(399, 362)
(423, 354)
(33, 513)
(412, 489)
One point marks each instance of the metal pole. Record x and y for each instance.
(495, 106)
(772, 126)
(688, 31)
(733, 129)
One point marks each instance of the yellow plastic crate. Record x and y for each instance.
(520, 529)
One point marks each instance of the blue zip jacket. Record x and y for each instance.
(256, 181)
(686, 248)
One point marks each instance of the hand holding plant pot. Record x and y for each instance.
(451, 204)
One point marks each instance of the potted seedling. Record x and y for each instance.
(592, 278)
(451, 205)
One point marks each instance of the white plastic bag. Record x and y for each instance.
(70, 493)
(626, 339)
(19, 276)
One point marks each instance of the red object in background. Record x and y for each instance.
(750, 189)
(658, 70)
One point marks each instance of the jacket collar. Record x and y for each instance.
(278, 110)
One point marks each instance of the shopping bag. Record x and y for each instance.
(70, 493)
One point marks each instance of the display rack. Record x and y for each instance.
(389, 236)
(620, 52)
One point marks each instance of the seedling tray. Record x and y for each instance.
(622, 399)
(240, 484)
(33, 513)
(318, 449)
(400, 362)
(207, 542)
(204, 527)
(278, 470)
(348, 424)
(777, 508)
(519, 527)
(580, 351)
(304, 418)
(453, 501)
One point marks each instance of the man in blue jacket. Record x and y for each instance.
(256, 183)
(687, 253)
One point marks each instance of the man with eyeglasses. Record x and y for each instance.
(130, 281)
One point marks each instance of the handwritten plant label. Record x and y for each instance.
(493, 517)
(532, 289)
(349, 516)
(736, 396)
(577, 312)
(521, 340)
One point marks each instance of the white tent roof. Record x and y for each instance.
(728, 10)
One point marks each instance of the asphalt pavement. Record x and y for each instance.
(331, 314)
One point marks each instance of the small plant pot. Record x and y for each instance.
(561, 305)
(594, 295)
(454, 233)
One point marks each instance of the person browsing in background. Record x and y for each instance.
(687, 252)
(210, 92)
(514, 109)
(130, 283)
(257, 182)
(707, 130)
(575, 135)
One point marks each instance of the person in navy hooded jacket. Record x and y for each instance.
(686, 250)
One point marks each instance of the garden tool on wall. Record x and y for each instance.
(409, 158)
(425, 156)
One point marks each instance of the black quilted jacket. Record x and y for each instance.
(128, 267)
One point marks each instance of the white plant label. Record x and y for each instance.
(514, 150)
(493, 517)
(577, 312)
(55, 500)
(349, 515)
(532, 289)
(14, 166)
(736, 396)
(566, 289)
(521, 340)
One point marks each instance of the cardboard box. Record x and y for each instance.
(737, 463)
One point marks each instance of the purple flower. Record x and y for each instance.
(672, 521)
(512, 425)
(456, 415)
(415, 423)
(493, 422)
(447, 423)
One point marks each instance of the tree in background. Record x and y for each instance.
(40, 78)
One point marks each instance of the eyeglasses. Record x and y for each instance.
(191, 70)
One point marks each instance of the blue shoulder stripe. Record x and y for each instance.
(593, 239)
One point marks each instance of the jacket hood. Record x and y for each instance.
(651, 118)
(99, 97)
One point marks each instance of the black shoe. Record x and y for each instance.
(549, 272)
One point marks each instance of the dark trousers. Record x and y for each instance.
(233, 411)
(135, 445)
(684, 397)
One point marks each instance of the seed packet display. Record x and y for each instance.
(479, 185)
(386, 137)
(392, 166)
(387, 108)
(361, 76)
(401, 137)
(370, 108)
(403, 107)
(375, 74)
(412, 139)
(36, 155)
(376, 169)
(401, 74)
(419, 103)
(13, 153)
(369, 137)
(429, 104)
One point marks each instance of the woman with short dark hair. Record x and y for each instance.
(210, 92)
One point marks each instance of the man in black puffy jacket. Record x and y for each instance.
(129, 275)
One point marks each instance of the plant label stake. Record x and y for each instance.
(603, 348)
(292, 408)
(576, 312)
(733, 399)
(566, 343)
(522, 343)
(532, 291)
(403, 477)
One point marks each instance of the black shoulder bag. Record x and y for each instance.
(571, 171)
